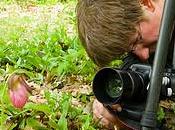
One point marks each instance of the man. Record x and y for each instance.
(109, 28)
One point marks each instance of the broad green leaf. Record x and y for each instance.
(52, 123)
(39, 107)
(35, 124)
(62, 123)
(24, 71)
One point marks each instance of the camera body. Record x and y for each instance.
(113, 85)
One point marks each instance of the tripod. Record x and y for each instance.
(166, 40)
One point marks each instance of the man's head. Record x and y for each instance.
(109, 28)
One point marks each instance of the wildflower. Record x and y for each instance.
(18, 90)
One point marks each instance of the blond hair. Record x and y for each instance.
(106, 26)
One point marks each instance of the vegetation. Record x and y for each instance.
(38, 39)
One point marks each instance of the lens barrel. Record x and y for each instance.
(110, 86)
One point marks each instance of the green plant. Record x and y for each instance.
(38, 38)
(45, 45)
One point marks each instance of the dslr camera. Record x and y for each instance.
(130, 83)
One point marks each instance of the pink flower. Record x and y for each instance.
(18, 90)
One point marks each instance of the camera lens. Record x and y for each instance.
(111, 85)
(114, 87)
(108, 86)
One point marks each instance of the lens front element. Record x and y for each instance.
(114, 87)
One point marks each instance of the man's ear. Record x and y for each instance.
(148, 4)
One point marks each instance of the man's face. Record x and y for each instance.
(148, 30)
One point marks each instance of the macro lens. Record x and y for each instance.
(114, 86)
(111, 85)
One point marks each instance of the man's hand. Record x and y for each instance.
(102, 114)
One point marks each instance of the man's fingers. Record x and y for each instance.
(101, 114)
(117, 107)
(105, 122)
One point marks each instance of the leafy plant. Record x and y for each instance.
(39, 39)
